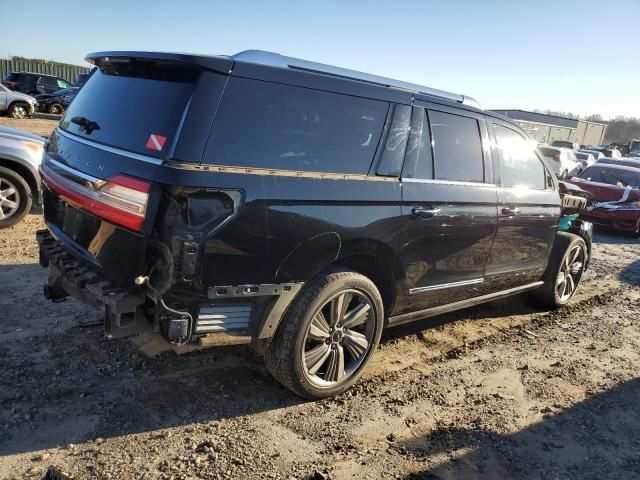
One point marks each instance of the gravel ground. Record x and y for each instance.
(499, 391)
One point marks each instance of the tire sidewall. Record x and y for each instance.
(25, 197)
(365, 286)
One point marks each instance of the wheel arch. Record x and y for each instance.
(26, 172)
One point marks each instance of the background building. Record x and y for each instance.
(547, 128)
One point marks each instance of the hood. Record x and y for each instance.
(20, 134)
(23, 96)
(603, 192)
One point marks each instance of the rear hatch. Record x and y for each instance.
(101, 161)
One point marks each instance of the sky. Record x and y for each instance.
(571, 56)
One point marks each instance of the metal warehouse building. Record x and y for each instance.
(547, 128)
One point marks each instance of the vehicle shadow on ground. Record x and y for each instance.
(602, 431)
(63, 382)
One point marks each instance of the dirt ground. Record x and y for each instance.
(38, 126)
(504, 390)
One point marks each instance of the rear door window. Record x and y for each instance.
(268, 125)
(518, 164)
(130, 102)
(457, 147)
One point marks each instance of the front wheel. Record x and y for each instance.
(15, 197)
(18, 110)
(564, 271)
(328, 335)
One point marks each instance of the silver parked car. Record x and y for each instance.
(16, 104)
(20, 187)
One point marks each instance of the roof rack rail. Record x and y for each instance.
(276, 60)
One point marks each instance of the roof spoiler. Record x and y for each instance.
(220, 64)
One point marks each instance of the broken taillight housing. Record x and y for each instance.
(119, 199)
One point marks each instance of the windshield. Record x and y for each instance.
(612, 176)
(134, 105)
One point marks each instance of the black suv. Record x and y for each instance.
(292, 206)
(35, 83)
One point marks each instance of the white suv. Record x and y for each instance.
(562, 161)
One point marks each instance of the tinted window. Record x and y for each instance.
(48, 81)
(130, 102)
(269, 125)
(518, 165)
(63, 83)
(457, 147)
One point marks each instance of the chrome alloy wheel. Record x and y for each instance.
(9, 199)
(338, 338)
(570, 273)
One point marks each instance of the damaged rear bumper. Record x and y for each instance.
(123, 311)
(224, 315)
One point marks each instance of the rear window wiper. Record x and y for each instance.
(85, 124)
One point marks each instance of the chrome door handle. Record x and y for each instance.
(424, 212)
(510, 211)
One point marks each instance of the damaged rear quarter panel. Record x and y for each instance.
(276, 237)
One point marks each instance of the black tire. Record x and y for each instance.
(18, 110)
(551, 293)
(56, 109)
(23, 198)
(287, 354)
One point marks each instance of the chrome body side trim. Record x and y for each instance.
(449, 182)
(274, 172)
(450, 307)
(442, 286)
(106, 148)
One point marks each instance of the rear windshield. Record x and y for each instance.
(268, 125)
(549, 152)
(12, 77)
(134, 105)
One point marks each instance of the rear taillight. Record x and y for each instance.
(13, 85)
(556, 158)
(119, 199)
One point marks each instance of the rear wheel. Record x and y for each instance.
(15, 198)
(564, 271)
(19, 110)
(56, 109)
(328, 336)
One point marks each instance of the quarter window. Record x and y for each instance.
(518, 164)
(457, 147)
(269, 125)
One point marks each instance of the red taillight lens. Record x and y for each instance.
(119, 199)
(556, 158)
(13, 85)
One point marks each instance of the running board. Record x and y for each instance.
(450, 307)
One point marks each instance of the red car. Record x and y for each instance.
(615, 196)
